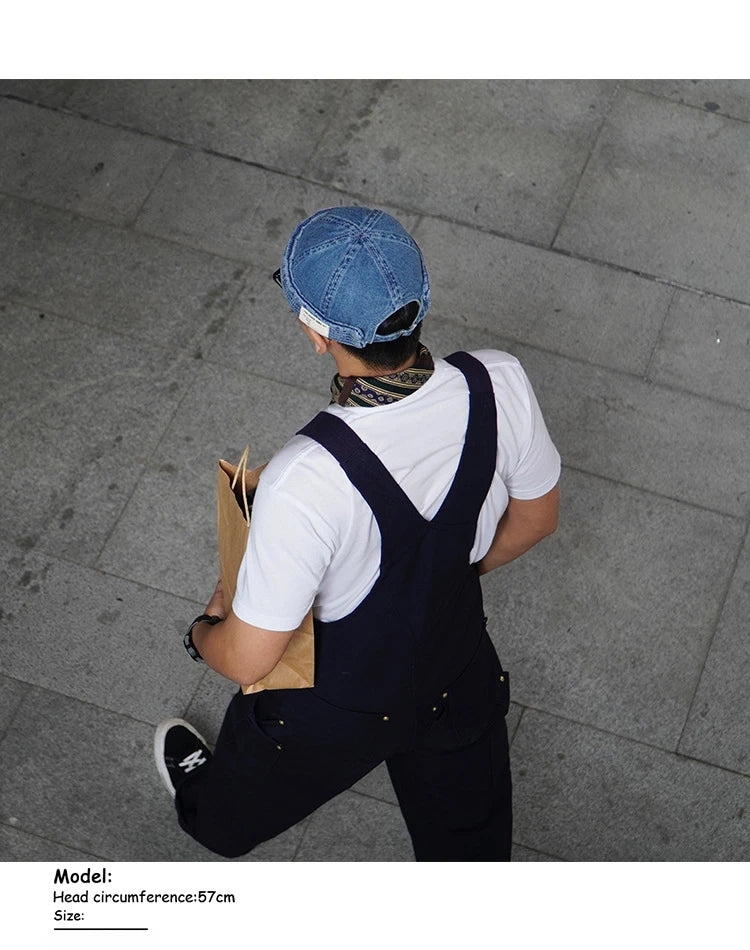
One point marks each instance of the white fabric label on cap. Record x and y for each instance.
(313, 322)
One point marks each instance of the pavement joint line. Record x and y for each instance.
(740, 519)
(654, 747)
(94, 566)
(130, 224)
(420, 212)
(546, 854)
(592, 150)
(314, 391)
(660, 335)
(715, 630)
(81, 701)
(79, 217)
(631, 85)
(166, 139)
(369, 795)
(40, 551)
(381, 87)
(193, 247)
(645, 275)
(88, 855)
(208, 361)
(63, 110)
(16, 709)
(305, 826)
(405, 209)
(513, 341)
(146, 466)
(512, 736)
(196, 602)
(680, 103)
(68, 392)
(183, 350)
(187, 349)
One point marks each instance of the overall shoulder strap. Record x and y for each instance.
(476, 466)
(391, 506)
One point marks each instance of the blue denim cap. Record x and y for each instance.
(345, 270)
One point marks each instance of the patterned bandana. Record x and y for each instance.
(382, 390)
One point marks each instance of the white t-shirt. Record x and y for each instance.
(314, 540)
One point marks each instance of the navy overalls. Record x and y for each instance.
(409, 677)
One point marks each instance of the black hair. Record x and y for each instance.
(394, 353)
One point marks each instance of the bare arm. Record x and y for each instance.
(238, 650)
(523, 524)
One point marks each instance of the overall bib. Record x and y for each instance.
(409, 677)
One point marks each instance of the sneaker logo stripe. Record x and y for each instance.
(192, 761)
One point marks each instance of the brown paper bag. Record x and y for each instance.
(235, 490)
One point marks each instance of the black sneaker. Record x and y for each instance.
(179, 750)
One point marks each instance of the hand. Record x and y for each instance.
(216, 606)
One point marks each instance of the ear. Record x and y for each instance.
(321, 343)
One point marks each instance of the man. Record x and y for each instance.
(381, 514)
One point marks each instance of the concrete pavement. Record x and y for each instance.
(599, 230)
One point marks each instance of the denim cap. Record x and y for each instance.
(345, 270)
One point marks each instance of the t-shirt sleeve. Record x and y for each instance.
(287, 555)
(537, 466)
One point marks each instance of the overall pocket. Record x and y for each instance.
(465, 707)
(304, 723)
(243, 745)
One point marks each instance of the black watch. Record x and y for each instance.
(187, 640)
